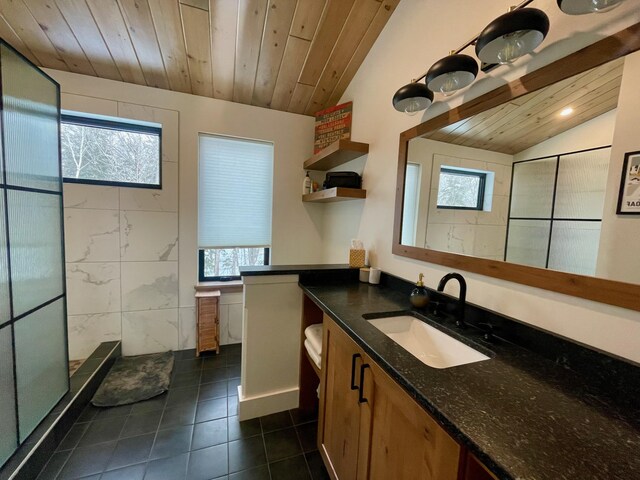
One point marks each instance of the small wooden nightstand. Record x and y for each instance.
(207, 322)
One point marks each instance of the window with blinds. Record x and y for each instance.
(235, 190)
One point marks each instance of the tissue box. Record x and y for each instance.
(356, 257)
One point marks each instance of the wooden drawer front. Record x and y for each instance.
(208, 324)
(207, 311)
(208, 338)
(406, 443)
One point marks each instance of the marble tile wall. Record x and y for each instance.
(471, 232)
(231, 318)
(122, 255)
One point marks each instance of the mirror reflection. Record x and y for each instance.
(524, 182)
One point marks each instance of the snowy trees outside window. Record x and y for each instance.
(113, 153)
(461, 189)
(226, 262)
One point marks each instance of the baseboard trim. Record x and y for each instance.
(266, 404)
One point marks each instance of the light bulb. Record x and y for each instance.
(450, 85)
(513, 47)
(413, 107)
(601, 6)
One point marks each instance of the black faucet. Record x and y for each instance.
(462, 298)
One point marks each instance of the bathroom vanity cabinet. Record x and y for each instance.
(369, 427)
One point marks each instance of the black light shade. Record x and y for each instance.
(580, 7)
(512, 35)
(412, 98)
(451, 73)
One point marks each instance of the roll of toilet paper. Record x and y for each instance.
(364, 274)
(374, 275)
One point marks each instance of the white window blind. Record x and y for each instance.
(235, 192)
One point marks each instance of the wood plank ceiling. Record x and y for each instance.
(291, 55)
(526, 121)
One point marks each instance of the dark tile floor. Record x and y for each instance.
(192, 432)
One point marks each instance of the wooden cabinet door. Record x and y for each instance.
(339, 424)
(404, 441)
(474, 470)
(207, 322)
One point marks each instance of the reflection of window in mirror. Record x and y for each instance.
(464, 189)
(411, 198)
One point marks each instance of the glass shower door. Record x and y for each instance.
(33, 338)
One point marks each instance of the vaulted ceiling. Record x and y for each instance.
(291, 55)
(526, 121)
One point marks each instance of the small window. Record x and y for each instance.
(235, 196)
(461, 189)
(106, 152)
(224, 263)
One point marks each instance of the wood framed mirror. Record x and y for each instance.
(602, 62)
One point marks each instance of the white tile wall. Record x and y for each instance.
(148, 236)
(231, 318)
(150, 331)
(470, 232)
(86, 331)
(91, 235)
(149, 285)
(93, 288)
(122, 253)
(77, 195)
(122, 256)
(187, 328)
(165, 200)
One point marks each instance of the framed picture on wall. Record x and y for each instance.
(629, 196)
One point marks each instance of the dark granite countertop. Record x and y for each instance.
(524, 416)
(288, 269)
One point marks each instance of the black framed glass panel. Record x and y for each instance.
(30, 112)
(34, 373)
(37, 274)
(8, 437)
(42, 373)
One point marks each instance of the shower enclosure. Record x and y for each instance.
(556, 210)
(33, 338)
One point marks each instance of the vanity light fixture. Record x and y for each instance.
(580, 7)
(507, 38)
(565, 112)
(512, 35)
(451, 73)
(412, 98)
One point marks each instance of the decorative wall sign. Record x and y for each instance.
(629, 196)
(332, 124)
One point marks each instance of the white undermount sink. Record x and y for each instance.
(429, 345)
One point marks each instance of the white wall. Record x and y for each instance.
(620, 233)
(297, 227)
(597, 132)
(418, 34)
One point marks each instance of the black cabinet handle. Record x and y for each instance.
(361, 398)
(353, 370)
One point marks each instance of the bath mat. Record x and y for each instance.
(133, 379)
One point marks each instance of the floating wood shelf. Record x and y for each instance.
(336, 154)
(336, 194)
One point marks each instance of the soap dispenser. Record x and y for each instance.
(419, 296)
(306, 185)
